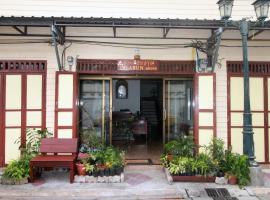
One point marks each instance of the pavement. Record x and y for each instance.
(141, 182)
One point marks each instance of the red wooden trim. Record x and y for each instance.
(23, 66)
(2, 142)
(34, 127)
(64, 109)
(265, 76)
(266, 132)
(12, 127)
(23, 106)
(207, 110)
(35, 110)
(4, 118)
(214, 105)
(44, 97)
(255, 67)
(56, 105)
(242, 126)
(73, 110)
(110, 67)
(252, 111)
(229, 142)
(23, 109)
(65, 127)
(209, 179)
(207, 127)
(13, 110)
(196, 110)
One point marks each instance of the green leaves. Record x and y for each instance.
(213, 160)
(184, 146)
(18, 169)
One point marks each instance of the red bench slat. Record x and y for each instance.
(55, 145)
(54, 158)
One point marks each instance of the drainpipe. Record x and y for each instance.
(54, 34)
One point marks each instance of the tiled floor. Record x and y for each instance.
(142, 151)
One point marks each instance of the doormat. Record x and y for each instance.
(219, 194)
(139, 162)
(136, 178)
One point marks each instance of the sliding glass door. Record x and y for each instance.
(95, 107)
(177, 108)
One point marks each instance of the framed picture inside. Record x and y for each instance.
(121, 89)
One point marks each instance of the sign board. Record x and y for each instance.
(137, 65)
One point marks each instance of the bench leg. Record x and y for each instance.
(71, 172)
(32, 173)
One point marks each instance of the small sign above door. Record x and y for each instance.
(137, 65)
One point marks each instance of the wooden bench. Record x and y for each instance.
(50, 149)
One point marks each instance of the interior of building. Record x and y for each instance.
(137, 115)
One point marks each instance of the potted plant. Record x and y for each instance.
(237, 168)
(89, 168)
(82, 160)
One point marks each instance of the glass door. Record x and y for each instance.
(95, 107)
(177, 108)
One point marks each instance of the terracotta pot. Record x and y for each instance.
(169, 157)
(81, 169)
(232, 180)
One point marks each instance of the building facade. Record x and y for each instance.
(38, 90)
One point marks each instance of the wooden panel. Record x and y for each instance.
(206, 93)
(237, 119)
(206, 119)
(66, 94)
(55, 145)
(23, 66)
(259, 144)
(65, 91)
(237, 93)
(268, 91)
(13, 91)
(12, 148)
(2, 136)
(205, 136)
(33, 118)
(255, 67)
(64, 118)
(258, 119)
(34, 92)
(256, 94)
(64, 133)
(268, 142)
(237, 140)
(13, 118)
(132, 67)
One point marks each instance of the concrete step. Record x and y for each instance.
(266, 177)
(143, 167)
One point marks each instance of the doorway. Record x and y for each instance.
(138, 115)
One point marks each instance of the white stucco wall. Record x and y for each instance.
(94, 51)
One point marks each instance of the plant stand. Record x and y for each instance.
(9, 181)
(99, 179)
(170, 178)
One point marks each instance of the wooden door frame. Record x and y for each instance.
(197, 110)
(258, 69)
(74, 108)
